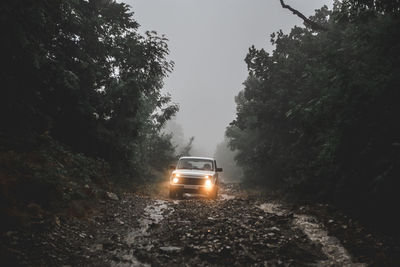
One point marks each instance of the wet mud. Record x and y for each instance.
(236, 229)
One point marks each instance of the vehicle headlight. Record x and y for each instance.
(208, 183)
(175, 180)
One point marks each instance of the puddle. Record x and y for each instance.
(226, 197)
(272, 208)
(153, 214)
(129, 261)
(337, 255)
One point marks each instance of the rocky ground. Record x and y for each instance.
(237, 229)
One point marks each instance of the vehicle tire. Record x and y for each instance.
(180, 194)
(172, 193)
(214, 193)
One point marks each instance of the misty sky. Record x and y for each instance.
(208, 40)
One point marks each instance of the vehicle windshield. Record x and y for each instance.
(196, 164)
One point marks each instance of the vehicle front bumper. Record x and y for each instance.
(191, 188)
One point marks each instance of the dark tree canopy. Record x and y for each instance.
(80, 72)
(318, 118)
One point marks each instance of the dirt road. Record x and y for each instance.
(237, 229)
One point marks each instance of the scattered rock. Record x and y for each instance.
(118, 220)
(171, 249)
(241, 231)
(96, 247)
(112, 196)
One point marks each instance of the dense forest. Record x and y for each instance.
(80, 101)
(79, 72)
(318, 118)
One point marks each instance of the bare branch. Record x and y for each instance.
(313, 24)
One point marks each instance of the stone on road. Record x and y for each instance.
(236, 229)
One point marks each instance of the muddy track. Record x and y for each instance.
(141, 231)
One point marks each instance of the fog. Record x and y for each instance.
(208, 42)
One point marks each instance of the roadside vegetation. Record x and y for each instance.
(81, 108)
(317, 119)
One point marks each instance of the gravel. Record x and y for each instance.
(134, 230)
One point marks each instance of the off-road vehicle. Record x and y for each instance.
(194, 175)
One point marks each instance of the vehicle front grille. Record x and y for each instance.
(192, 181)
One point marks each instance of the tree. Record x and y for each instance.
(316, 117)
(187, 148)
(314, 25)
(81, 71)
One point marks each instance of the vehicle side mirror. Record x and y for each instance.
(172, 167)
(219, 169)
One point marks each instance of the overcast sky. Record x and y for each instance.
(208, 41)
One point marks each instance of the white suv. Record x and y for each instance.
(194, 175)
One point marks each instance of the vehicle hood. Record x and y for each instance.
(199, 173)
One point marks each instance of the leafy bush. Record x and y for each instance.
(318, 118)
(47, 180)
(82, 72)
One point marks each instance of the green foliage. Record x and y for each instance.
(81, 71)
(48, 179)
(319, 116)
